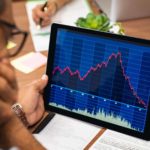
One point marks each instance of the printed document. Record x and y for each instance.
(112, 140)
(65, 133)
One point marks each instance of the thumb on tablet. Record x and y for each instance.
(40, 84)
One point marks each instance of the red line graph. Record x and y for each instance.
(99, 66)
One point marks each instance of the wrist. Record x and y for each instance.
(19, 112)
(53, 6)
(58, 3)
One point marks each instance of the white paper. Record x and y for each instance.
(65, 133)
(112, 140)
(28, 62)
(66, 15)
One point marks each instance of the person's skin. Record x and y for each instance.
(7, 80)
(12, 130)
(37, 12)
(32, 100)
(13, 133)
(7, 76)
(9, 17)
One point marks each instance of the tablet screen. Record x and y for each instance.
(101, 77)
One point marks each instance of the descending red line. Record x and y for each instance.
(99, 66)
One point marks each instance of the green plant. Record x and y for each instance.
(98, 22)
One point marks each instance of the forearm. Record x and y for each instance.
(13, 133)
(60, 3)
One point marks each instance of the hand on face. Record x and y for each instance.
(8, 84)
(38, 14)
(31, 99)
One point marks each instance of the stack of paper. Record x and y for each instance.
(29, 62)
(112, 140)
(64, 133)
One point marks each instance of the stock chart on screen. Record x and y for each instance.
(101, 78)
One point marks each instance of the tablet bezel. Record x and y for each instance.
(146, 134)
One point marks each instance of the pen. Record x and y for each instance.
(44, 8)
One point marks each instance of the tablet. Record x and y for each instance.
(101, 78)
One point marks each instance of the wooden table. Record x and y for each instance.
(138, 28)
